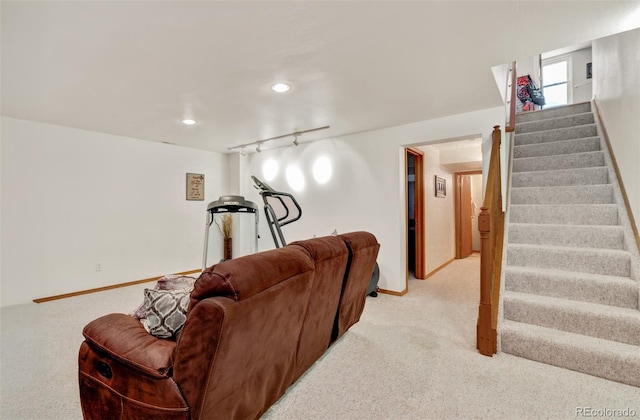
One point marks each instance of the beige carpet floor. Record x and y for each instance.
(410, 357)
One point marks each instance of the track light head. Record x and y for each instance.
(242, 151)
(258, 148)
(295, 140)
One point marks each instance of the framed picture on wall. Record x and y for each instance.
(589, 71)
(195, 187)
(441, 187)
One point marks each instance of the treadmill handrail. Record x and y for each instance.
(273, 221)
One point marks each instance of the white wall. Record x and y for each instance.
(73, 198)
(582, 87)
(366, 191)
(616, 87)
(440, 226)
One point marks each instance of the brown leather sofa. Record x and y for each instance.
(255, 324)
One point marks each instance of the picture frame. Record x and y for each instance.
(440, 187)
(195, 187)
(589, 74)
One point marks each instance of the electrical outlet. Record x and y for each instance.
(98, 267)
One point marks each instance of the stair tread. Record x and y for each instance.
(565, 186)
(600, 357)
(587, 236)
(599, 345)
(554, 119)
(563, 194)
(578, 116)
(573, 275)
(562, 128)
(586, 308)
(559, 225)
(570, 258)
(555, 109)
(557, 142)
(576, 249)
(603, 205)
(592, 152)
(558, 171)
(588, 159)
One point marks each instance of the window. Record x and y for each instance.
(555, 78)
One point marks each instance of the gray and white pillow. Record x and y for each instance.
(166, 311)
(169, 282)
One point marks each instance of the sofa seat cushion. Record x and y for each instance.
(123, 337)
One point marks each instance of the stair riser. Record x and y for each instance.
(565, 147)
(583, 194)
(582, 176)
(569, 215)
(620, 329)
(554, 112)
(555, 123)
(550, 163)
(600, 364)
(619, 294)
(581, 260)
(568, 133)
(608, 237)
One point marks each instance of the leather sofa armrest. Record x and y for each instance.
(123, 338)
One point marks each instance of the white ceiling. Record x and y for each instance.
(137, 68)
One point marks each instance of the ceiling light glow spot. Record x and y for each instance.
(270, 169)
(281, 87)
(322, 170)
(188, 121)
(295, 178)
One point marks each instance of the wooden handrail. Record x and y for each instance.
(512, 105)
(491, 227)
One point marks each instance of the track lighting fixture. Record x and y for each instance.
(259, 143)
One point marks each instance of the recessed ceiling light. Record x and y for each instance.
(280, 87)
(188, 122)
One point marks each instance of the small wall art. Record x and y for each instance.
(195, 187)
(589, 74)
(441, 187)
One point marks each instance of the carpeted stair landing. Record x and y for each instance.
(569, 298)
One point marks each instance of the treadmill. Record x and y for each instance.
(280, 209)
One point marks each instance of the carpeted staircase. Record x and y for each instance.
(570, 294)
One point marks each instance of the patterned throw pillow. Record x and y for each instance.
(169, 282)
(166, 311)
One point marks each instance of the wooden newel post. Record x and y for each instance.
(486, 335)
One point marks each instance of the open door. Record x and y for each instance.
(415, 212)
(464, 214)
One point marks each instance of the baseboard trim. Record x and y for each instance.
(102, 289)
(391, 292)
(439, 268)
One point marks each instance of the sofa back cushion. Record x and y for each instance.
(363, 248)
(330, 256)
(243, 277)
(236, 353)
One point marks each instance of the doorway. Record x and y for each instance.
(467, 208)
(414, 164)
